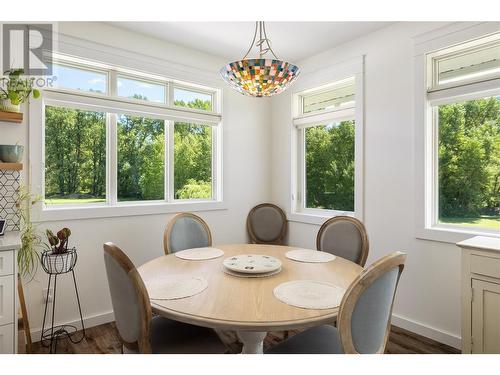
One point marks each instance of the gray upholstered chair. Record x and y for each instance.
(364, 319)
(266, 224)
(186, 231)
(345, 237)
(139, 331)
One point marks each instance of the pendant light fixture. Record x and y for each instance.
(260, 76)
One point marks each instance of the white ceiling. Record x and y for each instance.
(291, 41)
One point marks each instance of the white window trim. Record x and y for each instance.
(425, 129)
(93, 101)
(352, 68)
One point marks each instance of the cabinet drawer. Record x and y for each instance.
(7, 339)
(487, 266)
(6, 262)
(6, 299)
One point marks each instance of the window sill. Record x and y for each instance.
(315, 218)
(137, 209)
(451, 235)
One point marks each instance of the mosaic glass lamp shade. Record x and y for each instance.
(260, 77)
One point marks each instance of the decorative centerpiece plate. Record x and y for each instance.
(252, 263)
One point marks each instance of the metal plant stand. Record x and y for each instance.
(55, 265)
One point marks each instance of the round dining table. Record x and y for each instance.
(247, 305)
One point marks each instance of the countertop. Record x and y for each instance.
(10, 241)
(482, 243)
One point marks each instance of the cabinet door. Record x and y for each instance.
(6, 299)
(6, 262)
(485, 317)
(7, 339)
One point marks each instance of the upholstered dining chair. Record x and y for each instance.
(344, 236)
(139, 331)
(364, 319)
(266, 224)
(186, 231)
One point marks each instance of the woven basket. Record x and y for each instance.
(55, 264)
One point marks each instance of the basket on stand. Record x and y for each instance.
(55, 264)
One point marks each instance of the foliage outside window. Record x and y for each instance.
(192, 158)
(141, 159)
(192, 99)
(467, 134)
(330, 166)
(469, 163)
(80, 148)
(75, 156)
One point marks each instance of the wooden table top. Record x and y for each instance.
(246, 304)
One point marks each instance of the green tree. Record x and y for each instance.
(469, 158)
(140, 158)
(330, 166)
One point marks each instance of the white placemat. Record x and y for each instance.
(199, 253)
(252, 263)
(310, 256)
(250, 275)
(310, 294)
(175, 287)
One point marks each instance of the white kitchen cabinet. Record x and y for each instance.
(9, 244)
(480, 295)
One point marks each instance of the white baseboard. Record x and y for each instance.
(430, 332)
(90, 321)
(399, 321)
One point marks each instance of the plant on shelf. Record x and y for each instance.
(16, 90)
(58, 243)
(28, 256)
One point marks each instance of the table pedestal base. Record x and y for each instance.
(253, 342)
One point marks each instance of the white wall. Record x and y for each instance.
(246, 172)
(428, 299)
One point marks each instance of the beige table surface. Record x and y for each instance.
(246, 304)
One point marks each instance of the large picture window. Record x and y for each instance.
(113, 139)
(463, 97)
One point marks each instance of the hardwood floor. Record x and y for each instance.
(103, 339)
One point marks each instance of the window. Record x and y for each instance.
(328, 136)
(75, 156)
(463, 98)
(76, 78)
(193, 99)
(109, 151)
(340, 95)
(140, 89)
(329, 166)
(192, 166)
(141, 159)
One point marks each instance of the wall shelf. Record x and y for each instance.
(11, 117)
(11, 166)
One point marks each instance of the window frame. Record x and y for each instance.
(314, 84)
(114, 105)
(429, 96)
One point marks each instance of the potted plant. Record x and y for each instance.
(58, 258)
(16, 90)
(28, 255)
(59, 243)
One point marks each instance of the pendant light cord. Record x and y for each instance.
(261, 26)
